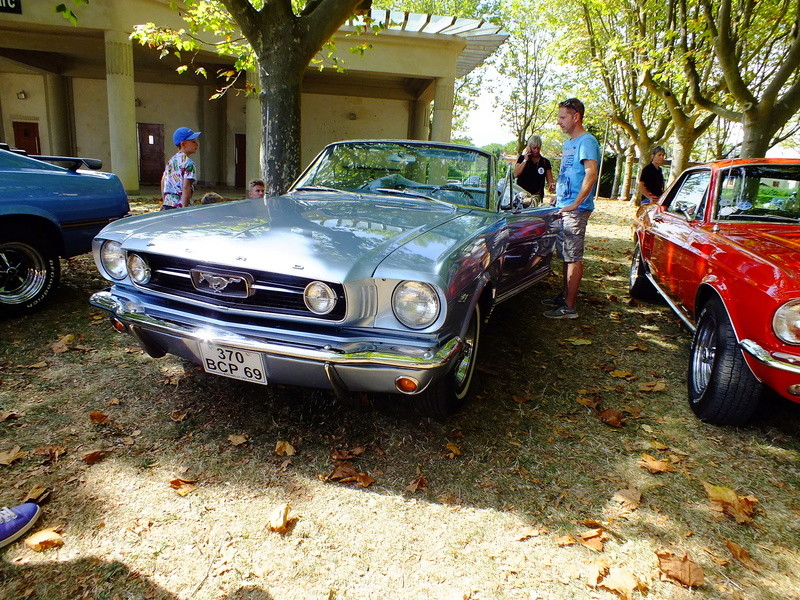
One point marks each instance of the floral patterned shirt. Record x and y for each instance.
(179, 167)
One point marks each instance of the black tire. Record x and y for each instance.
(447, 395)
(639, 286)
(722, 389)
(29, 272)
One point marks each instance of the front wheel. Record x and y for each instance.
(29, 272)
(722, 389)
(447, 395)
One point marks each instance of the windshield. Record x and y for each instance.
(422, 171)
(760, 193)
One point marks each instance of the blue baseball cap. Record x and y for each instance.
(184, 133)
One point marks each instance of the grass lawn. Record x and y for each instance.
(537, 490)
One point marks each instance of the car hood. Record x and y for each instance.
(314, 236)
(776, 245)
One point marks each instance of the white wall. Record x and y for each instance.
(32, 110)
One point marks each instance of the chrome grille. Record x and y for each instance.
(264, 292)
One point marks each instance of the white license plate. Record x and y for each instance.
(231, 362)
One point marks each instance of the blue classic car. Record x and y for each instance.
(373, 273)
(48, 211)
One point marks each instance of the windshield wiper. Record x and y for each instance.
(322, 188)
(781, 218)
(414, 195)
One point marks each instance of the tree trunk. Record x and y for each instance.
(280, 120)
(618, 169)
(627, 178)
(758, 133)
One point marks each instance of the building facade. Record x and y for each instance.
(88, 90)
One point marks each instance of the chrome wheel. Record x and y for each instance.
(465, 367)
(703, 355)
(23, 273)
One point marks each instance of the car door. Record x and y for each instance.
(527, 234)
(673, 228)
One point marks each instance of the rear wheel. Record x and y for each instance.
(722, 389)
(639, 286)
(447, 395)
(29, 271)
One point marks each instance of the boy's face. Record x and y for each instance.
(257, 191)
(190, 146)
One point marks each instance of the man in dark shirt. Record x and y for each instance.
(651, 179)
(532, 169)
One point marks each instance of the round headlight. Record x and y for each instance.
(786, 322)
(138, 269)
(112, 257)
(319, 298)
(415, 304)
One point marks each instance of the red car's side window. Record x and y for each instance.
(689, 198)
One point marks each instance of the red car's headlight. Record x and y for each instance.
(786, 322)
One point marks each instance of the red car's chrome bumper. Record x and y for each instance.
(782, 373)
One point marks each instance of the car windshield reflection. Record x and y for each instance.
(760, 193)
(445, 174)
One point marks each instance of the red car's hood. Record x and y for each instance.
(777, 245)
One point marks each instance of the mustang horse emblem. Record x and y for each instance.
(218, 283)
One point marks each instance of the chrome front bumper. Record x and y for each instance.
(334, 363)
(777, 361)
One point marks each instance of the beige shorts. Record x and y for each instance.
(570, 232)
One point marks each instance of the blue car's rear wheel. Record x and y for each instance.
(447, 395)
(29, 271)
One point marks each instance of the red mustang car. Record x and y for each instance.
(722, 246)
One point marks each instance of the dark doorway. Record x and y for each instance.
(26, 137)
(240, 159)
(151, 152)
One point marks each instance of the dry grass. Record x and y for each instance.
(534, 468)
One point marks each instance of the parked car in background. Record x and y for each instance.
(722, 246)
(48, 211)
(373, 273)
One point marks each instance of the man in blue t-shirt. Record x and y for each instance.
(575, 202)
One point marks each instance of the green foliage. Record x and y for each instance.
(67, 13)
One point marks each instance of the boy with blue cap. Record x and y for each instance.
(177, 182)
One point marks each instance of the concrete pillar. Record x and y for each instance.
(253, 129)
(55, 89)
(121, 109)
(421, 129)
(443, 109)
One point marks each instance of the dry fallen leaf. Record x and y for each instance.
(630, 498)
(593, 538)
(238, 439)
(654, 465)
(592, 402)
(419, 483)
(578, 341)
(44, 539)
(63, 343)
(184, 487)
(742, 555)
(284, 448)
(177, 416)
(530, 532)
(345, 473)
(653, 386)
(9, 456)
(42, 364)
(621, 374)
(280, 520)
(98, 417)
(726, 501)
(622, 582)
(640, 346)
(114, 402)
(37, 494)
(9, 414)
(611, 417)
(681, 570)
(566, 540)
(94, 456)
(452, 449)
(521, 399)
(52, 452)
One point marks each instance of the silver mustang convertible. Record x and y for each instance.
(373, 273)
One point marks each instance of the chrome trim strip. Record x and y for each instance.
(681, 314)
(765, 358)
(255, 286)
(131, 313)
(521, 288)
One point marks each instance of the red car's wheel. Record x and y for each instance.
(446, 396)
(722, 389)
